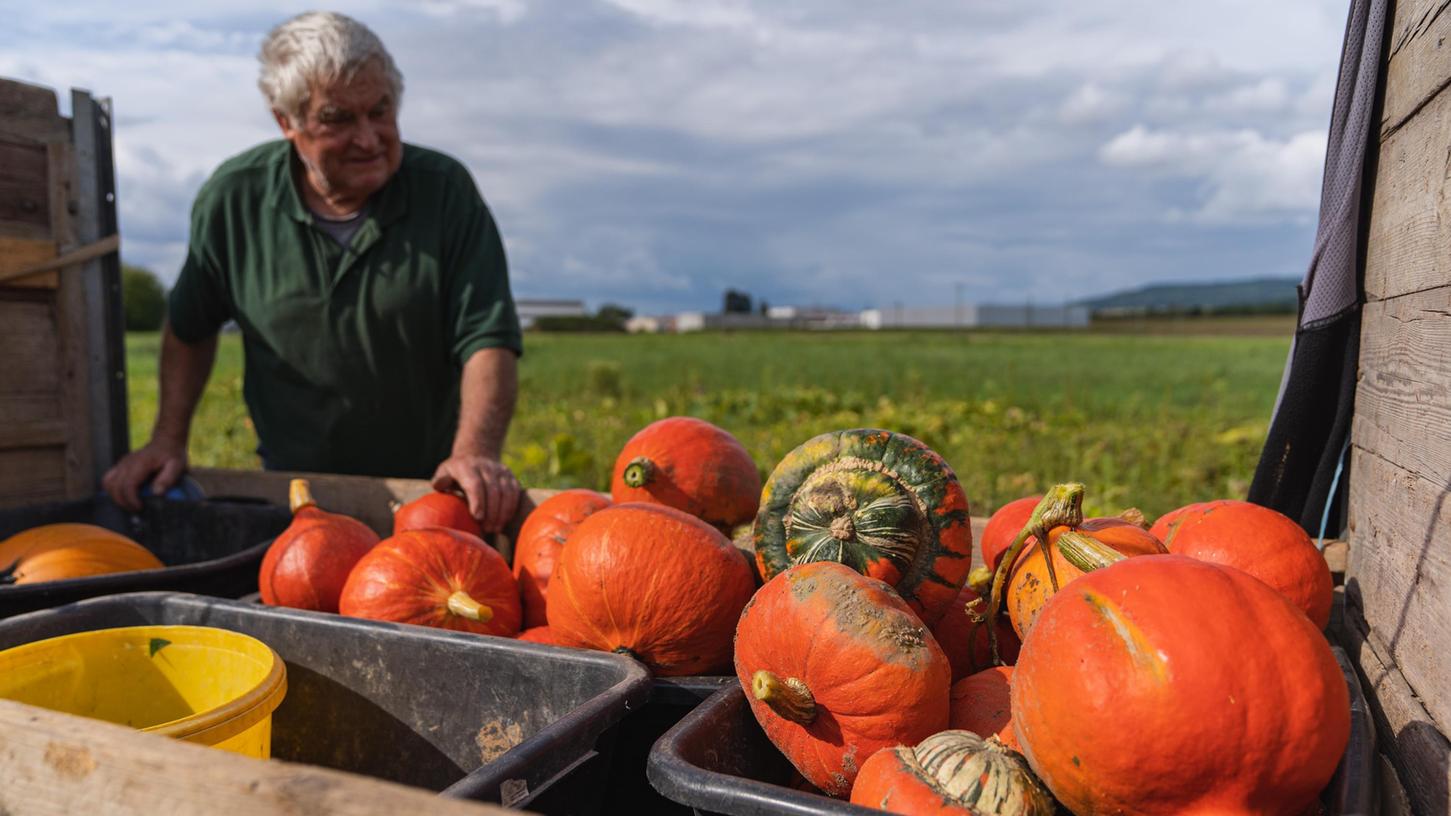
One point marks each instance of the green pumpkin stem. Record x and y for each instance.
(639, 472)
(789, 698)
(464, 606)
(1086, 552)
(1061, 506)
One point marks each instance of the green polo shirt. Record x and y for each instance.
(353, 355)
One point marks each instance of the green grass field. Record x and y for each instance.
(1153, 420)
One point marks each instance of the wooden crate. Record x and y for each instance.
(1398, 580)
(62, 396)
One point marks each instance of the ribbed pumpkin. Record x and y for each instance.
(953, 773)
(981, 704)
(307, 565)
(880, 502)
(1003, 526)
(436, 509)
(965, 640)
(435, 577)
(538, 634)
(55, 552)
(541, 538)
(1029, 586)
(653, 582)
(691, 465)
(1263, 542)
(838, 667)
(1166, 685)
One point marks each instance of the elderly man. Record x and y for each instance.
(369, 282)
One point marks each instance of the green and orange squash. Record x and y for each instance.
(879, 502)
(652, 582)
(1263, 542)
(837, 667)
(1166, 685)
(953, 773)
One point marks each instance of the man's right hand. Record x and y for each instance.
(161, 461)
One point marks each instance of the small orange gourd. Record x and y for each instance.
(55, 552)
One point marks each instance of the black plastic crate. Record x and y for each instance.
(718, 760)
(208, 547)
(476, 717)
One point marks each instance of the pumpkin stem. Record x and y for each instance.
(639, 472)
(299, 495)
(464, 606)
(980, 580)
(394, 506)
(1086, 552)
(789, 698)
(1136, 517)
(1061, 506)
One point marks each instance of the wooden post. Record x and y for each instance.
(1398, 580)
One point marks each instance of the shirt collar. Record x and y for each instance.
(387, 205)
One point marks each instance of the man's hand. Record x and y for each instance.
(162, 459)
(487, 483)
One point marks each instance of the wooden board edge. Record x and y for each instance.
(55, 763)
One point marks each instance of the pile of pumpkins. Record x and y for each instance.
(1104, 665)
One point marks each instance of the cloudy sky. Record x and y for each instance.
(655, 152)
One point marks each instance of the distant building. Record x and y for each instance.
(643, 325)
(976, 316)
(531, 310)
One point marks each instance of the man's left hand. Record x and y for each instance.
(489, 486)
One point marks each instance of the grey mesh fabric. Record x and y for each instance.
(1302, 461)
(1331, 283)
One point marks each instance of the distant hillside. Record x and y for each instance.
(1258, 295)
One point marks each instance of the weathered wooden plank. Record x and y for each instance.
(32, 475)
(1410, 218)
(29, 112)
(19, 253)
(34, 433)
(1419, 64)
(1403, 397)
(1420, 752)
(29, 350)
(56, 763)
(24, 194)
(1400, 571)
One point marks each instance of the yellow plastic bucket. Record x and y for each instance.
(195, 683)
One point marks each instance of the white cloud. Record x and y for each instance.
(1245, 176)
(1090, 103)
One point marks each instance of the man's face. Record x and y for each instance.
(348, 136)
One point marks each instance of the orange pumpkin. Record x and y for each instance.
(55, 552)
(1003, 526)
(436, 509)
(1166, 685)
(307, 565)
(650, 581)
(435, 577)
(691, 465)
(954, 773)
(541, 537)
(966, 642)
(1029, 586)
(981, 704)
(838, 667)
(538, 634)
(1263, 542)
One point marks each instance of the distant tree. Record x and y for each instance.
(765, 307)
(614, 311)
(736, 302)
(142, 299)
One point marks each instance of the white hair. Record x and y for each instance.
(319, 47)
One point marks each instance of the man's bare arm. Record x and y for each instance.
(487, 395)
